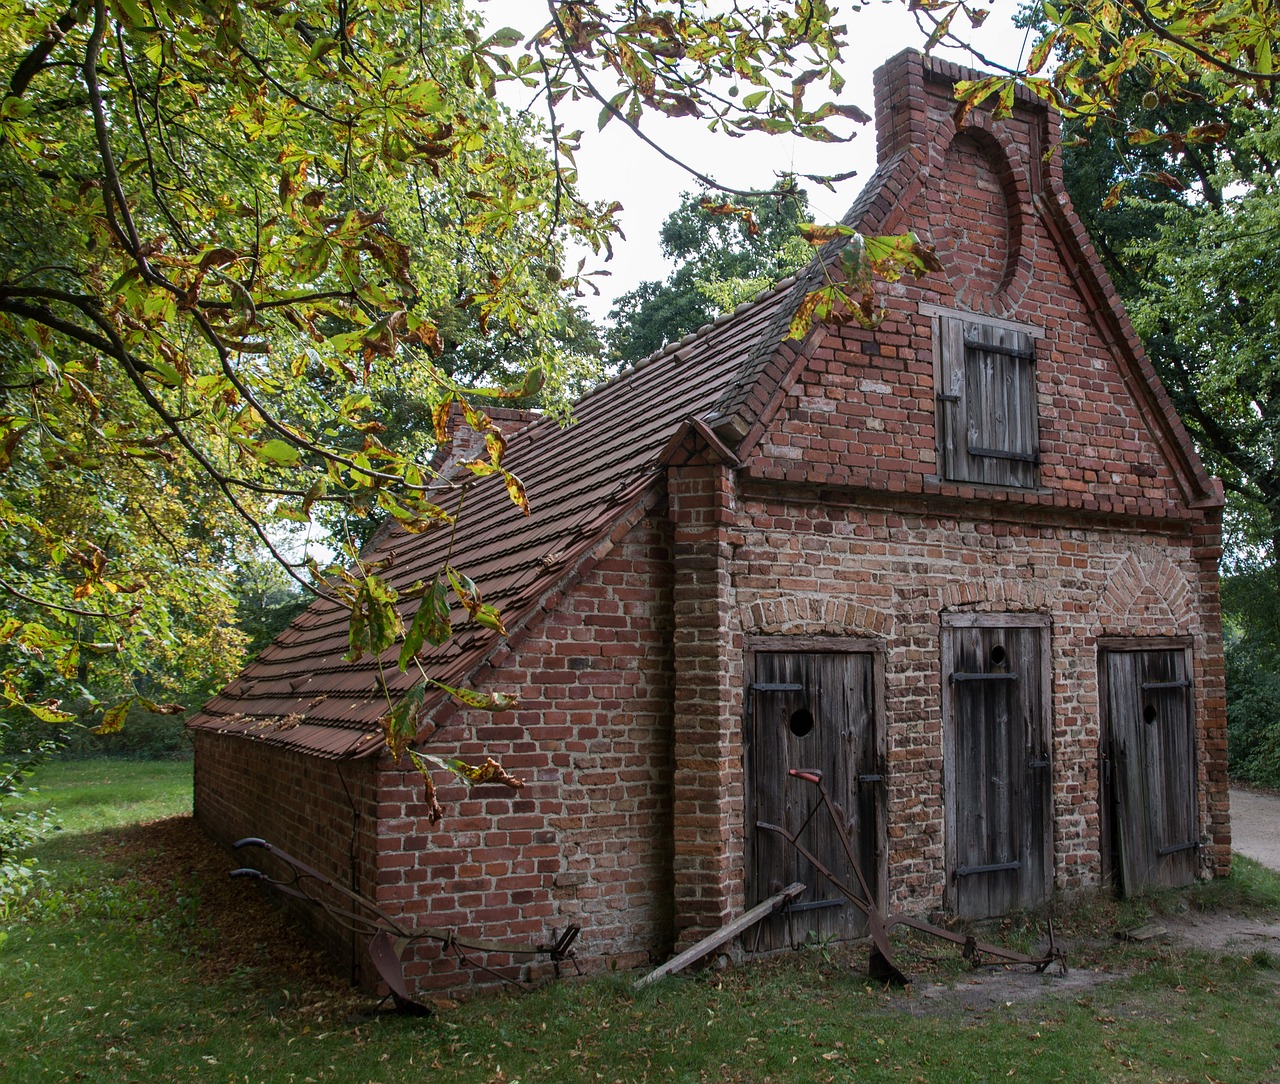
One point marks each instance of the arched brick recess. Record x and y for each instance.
(1147, 596)
(972, 236)
(797, 615)
(980, 243)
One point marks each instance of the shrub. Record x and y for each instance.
(22, 750)
(1251, 618)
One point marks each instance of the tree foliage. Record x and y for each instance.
(1251, 613)
(1208, 308)
(725, 253)
(241, 238)
(1172, 170)
(1088, 53)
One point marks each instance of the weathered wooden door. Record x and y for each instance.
(812, 710)
(1151, 767)
(996, 763)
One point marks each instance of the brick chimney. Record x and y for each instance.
(466, 444)
(902, 122)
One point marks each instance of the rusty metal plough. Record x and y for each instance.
(388, 938)
(881, 965)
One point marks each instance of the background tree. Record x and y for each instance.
(242, 238)
(1192, 240)
(724, 255)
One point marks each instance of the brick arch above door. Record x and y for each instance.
(1004, 593)
(808, 615)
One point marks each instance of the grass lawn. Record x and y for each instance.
(89, 795)
(140, 962)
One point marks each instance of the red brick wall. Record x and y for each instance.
(862, 413)
(866, 540)
(708, 758)
(320, 811)
(588, 840)
(889, 575)
(630, 733)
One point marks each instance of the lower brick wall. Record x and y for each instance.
(320, 811)
(588, 840)
(805, 569)
(591, 839)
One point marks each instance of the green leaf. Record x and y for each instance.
(506, 38)
(515, 490)
(473, 774)
(113, 718)
(132, 12)
(1139, 137)
(400, 724)
(427, 96)
(465, 588)
(167, 373)
(375, 622)
(47, 711)
(281, 452)
(489, 617)
(161, 709)
(430, 624)
(12, 430)
(490, 701)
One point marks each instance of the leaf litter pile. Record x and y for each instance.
(234, 926)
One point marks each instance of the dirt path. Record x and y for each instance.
(1255, 826)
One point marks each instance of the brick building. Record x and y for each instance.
(964, 563)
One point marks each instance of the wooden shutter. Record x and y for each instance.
(987, 407)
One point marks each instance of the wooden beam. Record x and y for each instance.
(725, 933)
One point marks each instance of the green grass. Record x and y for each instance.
(110, 982)
(89, 795)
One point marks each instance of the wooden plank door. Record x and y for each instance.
(812, 710)
(996, 763)
(1151, 767)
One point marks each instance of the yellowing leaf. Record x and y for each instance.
(113, 718)
(482, 701)
(281, 452)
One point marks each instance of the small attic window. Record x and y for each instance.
(988, 419)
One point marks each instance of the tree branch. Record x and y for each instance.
(73, 610)
(34, 62)
(1214, 62)
(616, 113)
(113, 347)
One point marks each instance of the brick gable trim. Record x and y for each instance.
(1113, 325)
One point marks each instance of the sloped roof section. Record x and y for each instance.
(766, 366)
(301, 693)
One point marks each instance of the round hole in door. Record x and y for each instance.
(998, 655)
(1149, 714)
(801, 722)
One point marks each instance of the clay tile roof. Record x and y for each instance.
(581, 480)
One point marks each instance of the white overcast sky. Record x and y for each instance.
(613, 164)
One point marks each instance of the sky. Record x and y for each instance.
(614, 165)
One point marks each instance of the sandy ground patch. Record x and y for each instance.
(1255, 826)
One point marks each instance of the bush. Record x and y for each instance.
(144, 737)
(22, 749)
(1251, 619)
